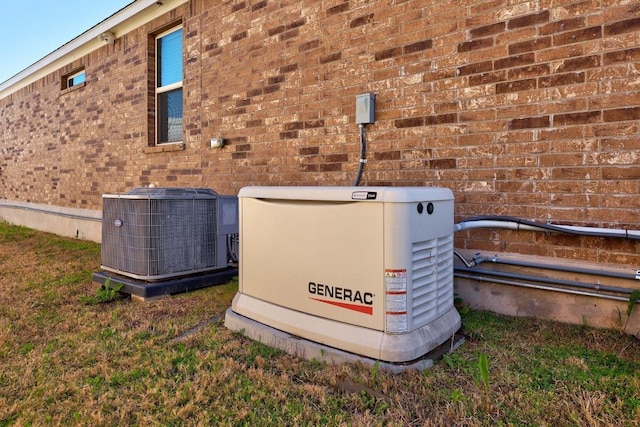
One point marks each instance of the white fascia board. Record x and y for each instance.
(127, 19)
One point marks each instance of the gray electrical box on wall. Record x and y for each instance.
(365, 108)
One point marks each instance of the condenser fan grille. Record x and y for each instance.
(158, 235)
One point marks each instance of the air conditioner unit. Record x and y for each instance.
(159, 233)
(366, 270)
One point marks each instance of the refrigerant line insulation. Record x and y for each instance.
(512, 223)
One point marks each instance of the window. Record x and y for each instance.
(169, 86)
(75, 79)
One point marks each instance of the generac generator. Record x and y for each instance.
(366, 270)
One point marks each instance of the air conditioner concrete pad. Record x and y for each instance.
(141, 290)
(310, 350)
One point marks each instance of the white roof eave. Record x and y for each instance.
(125, 20)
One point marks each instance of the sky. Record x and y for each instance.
(31, 29)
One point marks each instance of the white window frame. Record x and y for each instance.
(67, 80)
(73, 76)
(163, 89)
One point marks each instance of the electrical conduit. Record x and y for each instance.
(469, 271)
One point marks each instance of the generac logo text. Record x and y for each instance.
(342, 297)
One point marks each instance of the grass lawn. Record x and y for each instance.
(66, 361)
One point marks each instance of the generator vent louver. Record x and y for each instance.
(432, 279)
(158, 233)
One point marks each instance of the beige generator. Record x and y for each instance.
(365, 270)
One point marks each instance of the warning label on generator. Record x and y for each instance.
(396, 300)
(397, 324)
(395, 280)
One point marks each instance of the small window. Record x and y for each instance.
(169, 86)
(75, 79)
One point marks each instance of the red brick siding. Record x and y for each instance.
(528, 109)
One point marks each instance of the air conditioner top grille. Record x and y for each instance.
(172, 193)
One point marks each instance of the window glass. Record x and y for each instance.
(76, 79)
(169, 87)
(170, 58)
(170, 116)
(73, 79)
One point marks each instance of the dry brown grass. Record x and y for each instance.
(165, 362)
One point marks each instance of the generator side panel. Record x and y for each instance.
(418, 263)
(322, 258)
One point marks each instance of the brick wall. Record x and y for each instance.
(528, 109)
